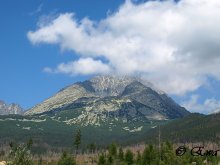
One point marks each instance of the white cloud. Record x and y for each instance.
(83, 66)
(174, 45)
(208, 106)
(38, 10)
(48, 70)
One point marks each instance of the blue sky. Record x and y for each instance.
(148, 38)
(23, 80)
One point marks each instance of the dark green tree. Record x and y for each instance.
(150, 155)
(92, 148)
(77, 140)
(30, 143)
(110, 160)
(138, 159)
(129, 157)
(101, 160)
(113, 149)
(168, 154)
(121, 154)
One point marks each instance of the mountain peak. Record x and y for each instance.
(10, 108)
(114, 85)
(119, 96)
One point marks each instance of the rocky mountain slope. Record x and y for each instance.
(10, 109)
(105, 108)
(127, 98)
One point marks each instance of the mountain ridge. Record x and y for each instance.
(101, 95)
(6, 109)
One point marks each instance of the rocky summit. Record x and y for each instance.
(129, 98)
(10, 109)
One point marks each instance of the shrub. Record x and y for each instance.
(20, 154)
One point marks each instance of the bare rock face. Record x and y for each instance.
(10, 109)
(112, 96)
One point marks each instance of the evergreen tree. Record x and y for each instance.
(101, 160)
(121, 154)
(77, 140)
(113, 149)
(30, 143)
(150, 156)
(139, 159)
(92, 148)
(129, 157)
(167, 154)
(110, 160)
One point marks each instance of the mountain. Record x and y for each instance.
(10, 109)
(127, 98)
(105, 108)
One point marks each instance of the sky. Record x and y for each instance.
(47, 45)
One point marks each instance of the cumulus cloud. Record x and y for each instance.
(208, 106)
(83, 66)
(173, 45)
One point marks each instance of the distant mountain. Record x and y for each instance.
(127, 98)
(10, 109)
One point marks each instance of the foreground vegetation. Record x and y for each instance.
(79, 151)
(152, 155)
(114, 155)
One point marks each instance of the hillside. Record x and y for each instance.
(193, 128)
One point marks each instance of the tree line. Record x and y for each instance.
(114, 155)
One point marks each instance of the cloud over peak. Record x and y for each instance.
(83, 66)
(174, 45)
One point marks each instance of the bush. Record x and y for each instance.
(20, 154)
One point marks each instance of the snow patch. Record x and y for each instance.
(32, 120)
(26, 128)
(133, 130)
